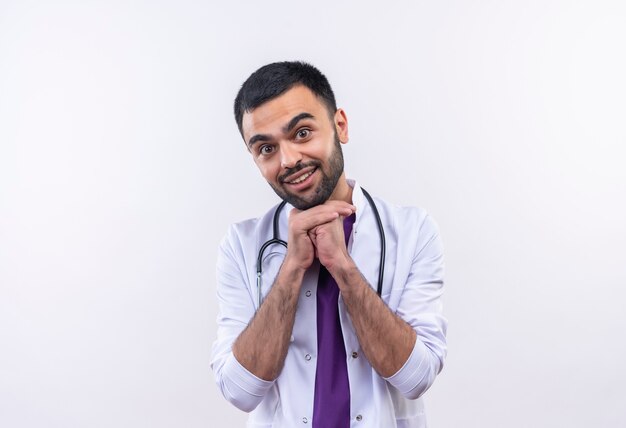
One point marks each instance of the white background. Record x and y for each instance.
(121, 168)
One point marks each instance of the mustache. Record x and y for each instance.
(299, 167)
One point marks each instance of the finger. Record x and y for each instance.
(344, 211)
(340, 205)
(312, 219)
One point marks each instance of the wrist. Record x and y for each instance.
(292, 269)
(343, 269)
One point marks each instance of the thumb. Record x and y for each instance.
(313, 238)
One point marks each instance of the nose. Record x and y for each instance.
(289, 155)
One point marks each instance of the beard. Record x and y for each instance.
(326, 186)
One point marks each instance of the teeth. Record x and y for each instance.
(302, 178)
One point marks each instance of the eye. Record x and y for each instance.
(265, 149)
(303, 133)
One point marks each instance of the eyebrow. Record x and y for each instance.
(256, 138)
(286, 129)
(293, 122)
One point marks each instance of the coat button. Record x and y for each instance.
(355, 354)
(308, 293)
(307, 357)
(359, 418)
(305, 420)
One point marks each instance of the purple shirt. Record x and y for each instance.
(331, 406)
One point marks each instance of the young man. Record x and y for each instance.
(323, 332)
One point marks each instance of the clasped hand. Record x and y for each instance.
(318, 232)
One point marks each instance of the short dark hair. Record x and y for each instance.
(272, 80)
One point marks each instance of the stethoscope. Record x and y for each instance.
(276, 240)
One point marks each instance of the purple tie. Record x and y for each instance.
(331, 407)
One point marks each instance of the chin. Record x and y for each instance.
(303, 203)
(312, 198)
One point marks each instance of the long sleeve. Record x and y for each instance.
(236, 308)
(421, 308)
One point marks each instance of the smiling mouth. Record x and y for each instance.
(302, 177)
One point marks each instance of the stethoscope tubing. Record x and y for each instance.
(276, 240)
(383, 246)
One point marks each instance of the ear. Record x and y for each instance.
(341, 125)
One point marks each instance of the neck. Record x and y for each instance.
(343, 191)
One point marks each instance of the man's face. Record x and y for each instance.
(296, 146)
